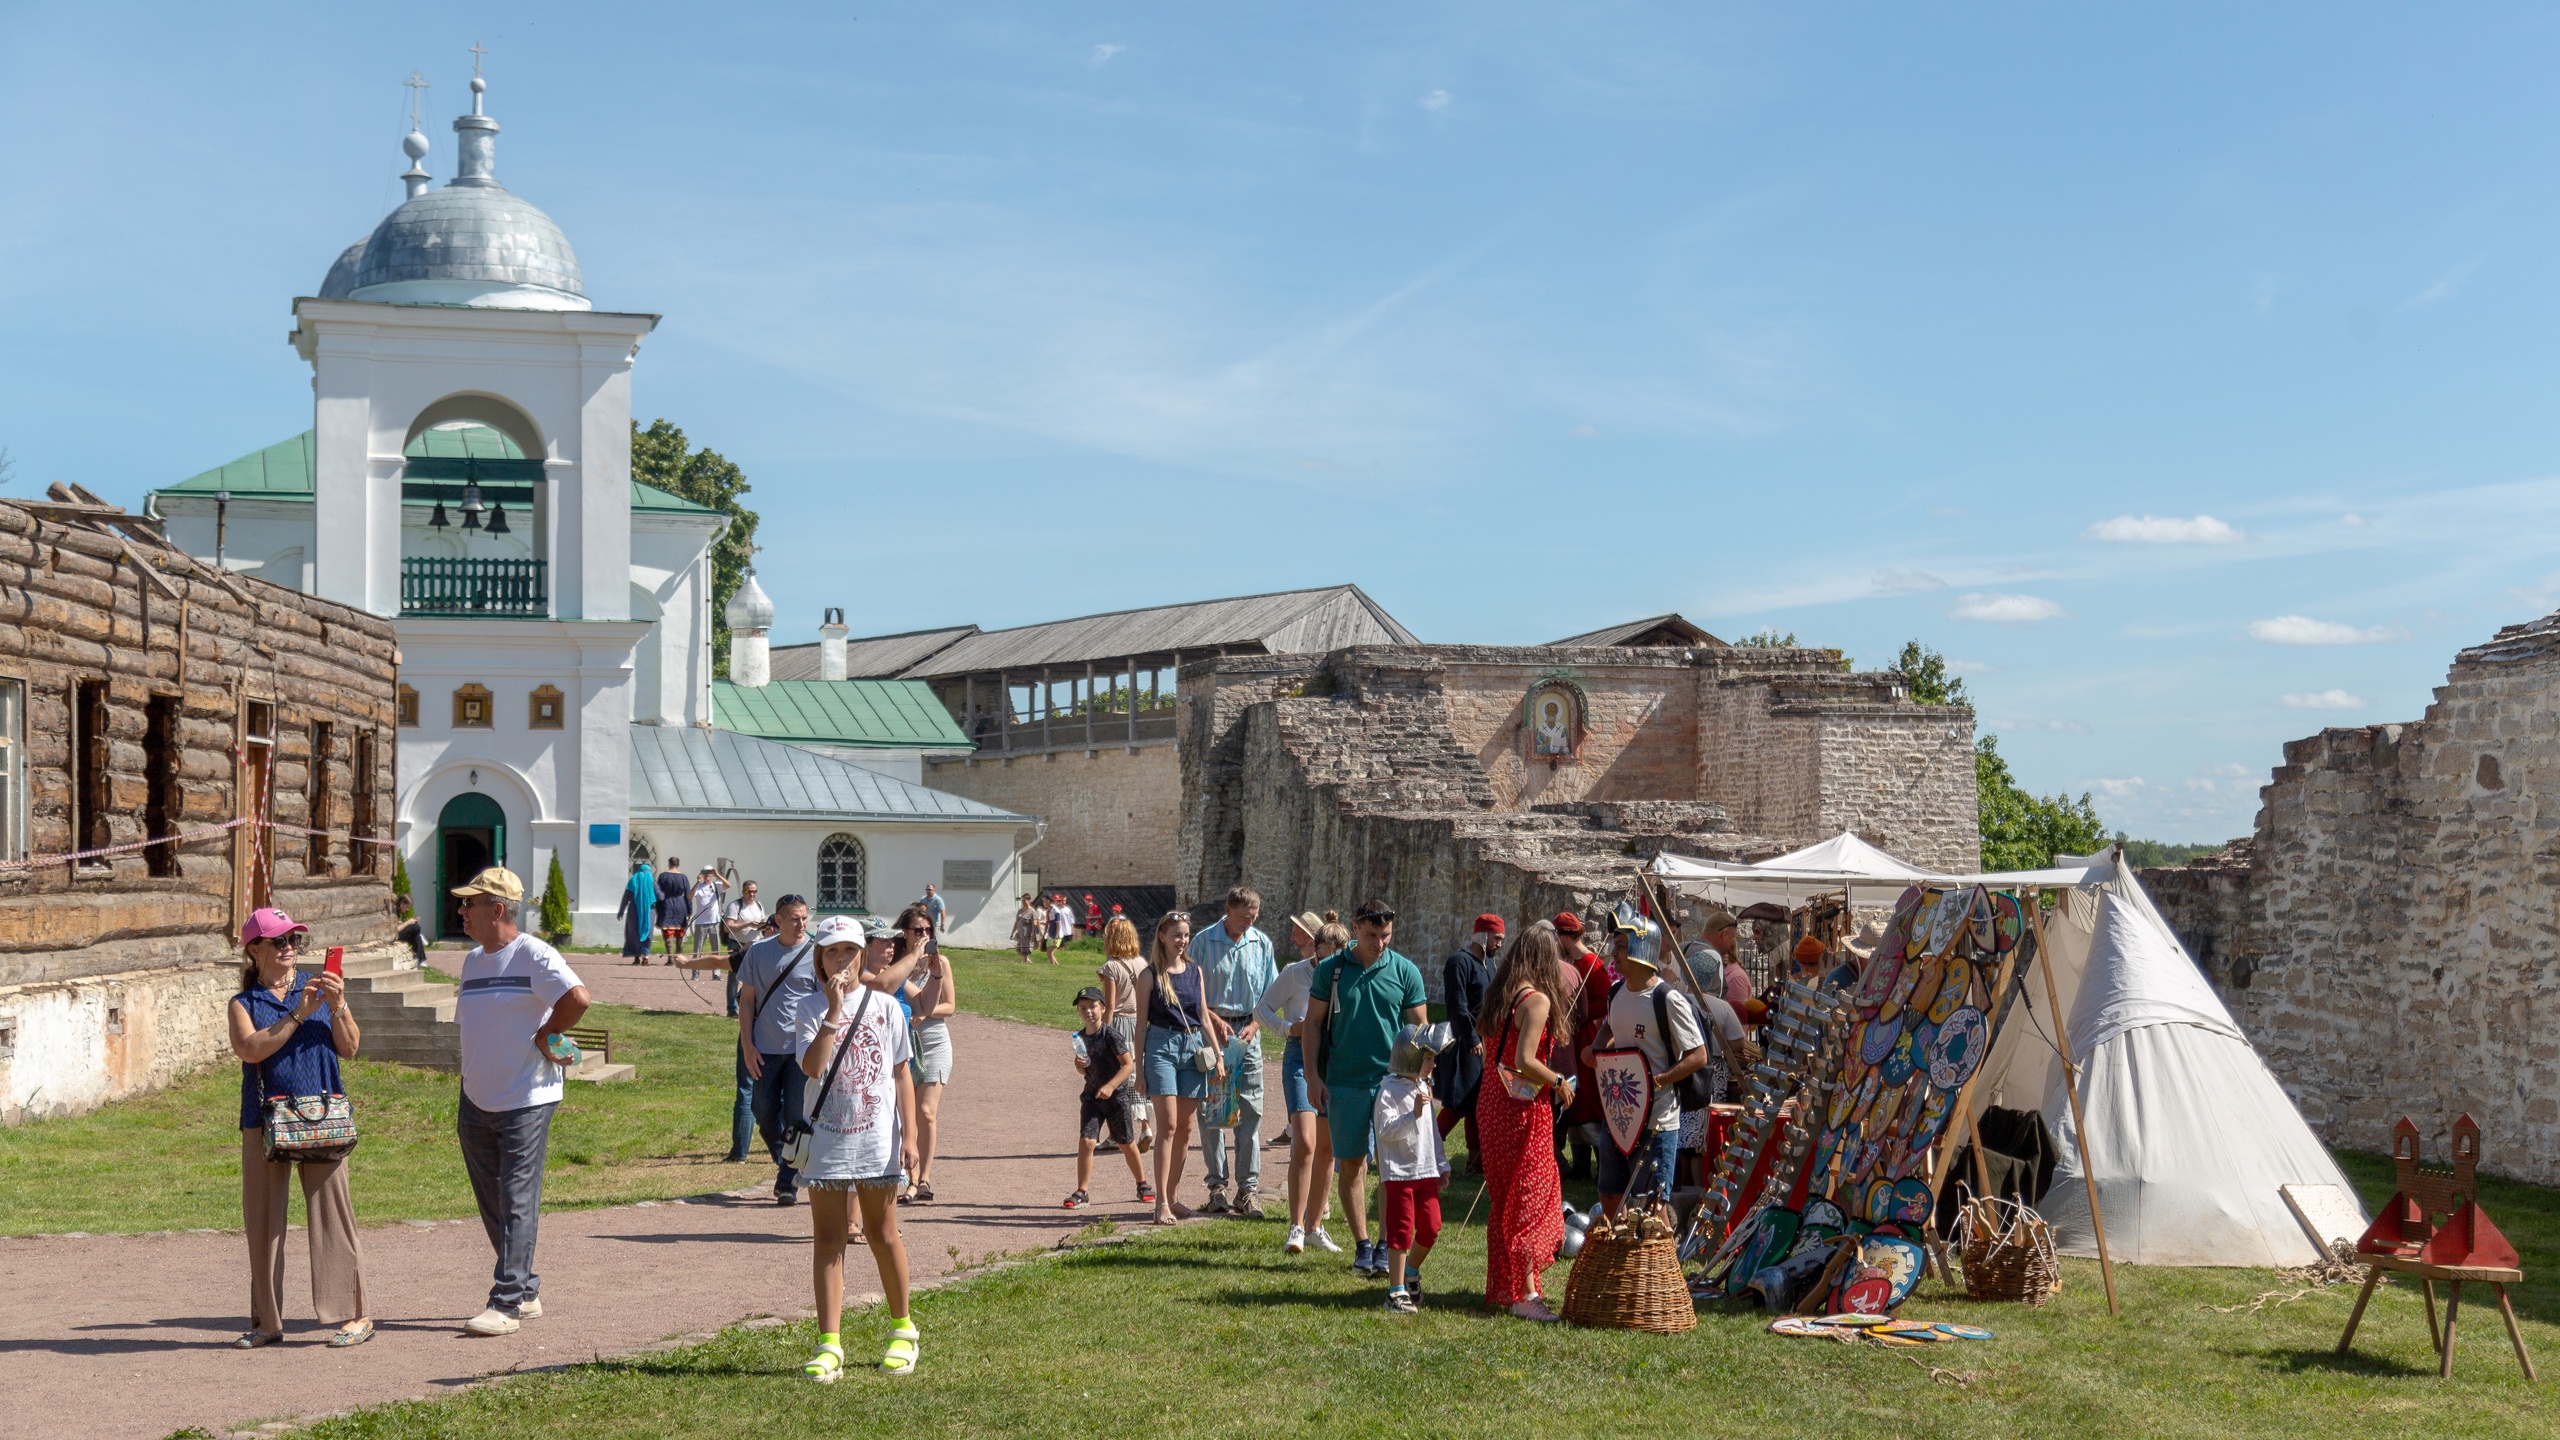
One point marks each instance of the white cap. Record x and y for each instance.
(836, 930)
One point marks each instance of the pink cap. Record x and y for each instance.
(267, 923)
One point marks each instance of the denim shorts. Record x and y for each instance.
(1171, 1066)
(1293, 1080)
(1618, 1171)
(895, 1179)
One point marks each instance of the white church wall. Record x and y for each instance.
(900, 859)
(271, 539)
(907, 765)
(671, 563)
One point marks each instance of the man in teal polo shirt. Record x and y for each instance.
(1357, 1001)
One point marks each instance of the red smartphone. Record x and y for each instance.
(336, 963)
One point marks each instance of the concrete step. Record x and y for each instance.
(407, 1018)
(597, 1072)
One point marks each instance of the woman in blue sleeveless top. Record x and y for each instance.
(1175, 1029)
(290, 1030)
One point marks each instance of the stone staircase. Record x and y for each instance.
(407, 1018)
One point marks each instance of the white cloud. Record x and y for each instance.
(2324, 700)
(2120, 788)
(1435, 101)
(1907, 582)
(2164, 530)
(2352, 518)
(1972, 667)
(2303, 630)
(2004, 609)
(1102, 55)
(2446, 287)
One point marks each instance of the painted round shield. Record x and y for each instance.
(1869, 1294)
(2008, 922)
(1933, 1117)
(1946, 913)
(1956, 1051)
(1769, 1242)
(1900, 1061)
(1899, 1257)
(1882, 975)
(1875, 1041)
(1911, 1203)
(1982, 919)
(1821, 1218)
(1961, 1332)
(1930, 976)
(1877, 1204)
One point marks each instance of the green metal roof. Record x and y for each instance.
(285, 470)
(887, 714)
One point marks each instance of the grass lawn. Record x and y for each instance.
(1209, 1330)
(171, 1160)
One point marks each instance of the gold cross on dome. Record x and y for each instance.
(477, 50)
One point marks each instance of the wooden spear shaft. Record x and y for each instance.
(2071, 1088)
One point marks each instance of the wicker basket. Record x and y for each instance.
(2007, 1251)
(1629, 1285)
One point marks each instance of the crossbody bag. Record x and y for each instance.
(796, 1133)
(766, 994)
(306, 1128)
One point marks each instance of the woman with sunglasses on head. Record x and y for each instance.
(932, 995)
(1182, 1035)
(290, 1031)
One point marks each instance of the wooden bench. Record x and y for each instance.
(593, 1039)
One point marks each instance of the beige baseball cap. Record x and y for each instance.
(497, 880)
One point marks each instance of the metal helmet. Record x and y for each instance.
(1415, 1045)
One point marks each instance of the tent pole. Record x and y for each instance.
(2079, 1122)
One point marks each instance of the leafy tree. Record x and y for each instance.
(2146, 853)
(555, 901)
(1768, 639)
(1925, 677)
(2022, 831)
(661, 458)
(399, 873)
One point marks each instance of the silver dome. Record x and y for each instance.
(482, 236)
(342, 272)
(749, 608)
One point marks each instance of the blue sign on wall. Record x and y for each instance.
(604, 834)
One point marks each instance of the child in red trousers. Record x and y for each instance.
(1411, 1162)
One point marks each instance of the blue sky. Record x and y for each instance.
(2184, 374)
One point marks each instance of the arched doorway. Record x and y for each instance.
(471, 836)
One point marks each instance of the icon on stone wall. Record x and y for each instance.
(1552, 719)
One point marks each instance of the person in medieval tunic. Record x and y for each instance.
(1463, 977)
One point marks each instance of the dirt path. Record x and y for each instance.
(130, 1335)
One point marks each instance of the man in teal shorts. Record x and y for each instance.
(1356, 1002)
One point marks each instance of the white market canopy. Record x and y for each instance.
(1845, 862)
(2190, 1135)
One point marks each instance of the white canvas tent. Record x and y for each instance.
(2189, 1134)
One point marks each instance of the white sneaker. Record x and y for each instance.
(530, 1310)
(492, 1321)
(1322, 1241)
(1296, 1244)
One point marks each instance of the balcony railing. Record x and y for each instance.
(432, 585)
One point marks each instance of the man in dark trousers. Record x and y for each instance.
(1463, 977)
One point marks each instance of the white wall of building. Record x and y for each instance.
(901, 859)
(671, 583)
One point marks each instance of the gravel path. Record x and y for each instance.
(130, 1335)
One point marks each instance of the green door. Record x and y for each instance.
(471, 836)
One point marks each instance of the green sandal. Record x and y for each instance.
(901, 1356)
(826, 1365)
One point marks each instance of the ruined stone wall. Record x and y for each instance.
(108, 945)
(1903, 779)
(1113, 811)
(1640, 722)
(2388, 943)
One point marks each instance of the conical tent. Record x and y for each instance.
(2189, 1135)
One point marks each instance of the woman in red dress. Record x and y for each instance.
(1530, 991)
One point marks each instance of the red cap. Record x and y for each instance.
(1809, 950)
(1488, 924)
(1568, 923)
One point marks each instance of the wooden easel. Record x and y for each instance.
(2407, 1240)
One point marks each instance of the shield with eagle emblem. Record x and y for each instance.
(1625, 1083)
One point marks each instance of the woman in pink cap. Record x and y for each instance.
(290, 1030)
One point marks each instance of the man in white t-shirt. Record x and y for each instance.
(709, 889)
(1648, 1015)
(517, 997)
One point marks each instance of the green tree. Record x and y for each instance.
(1768, 639)
(663, 459)
(399, 873)
(1925, 677)
(555, 901)
(2022, 831)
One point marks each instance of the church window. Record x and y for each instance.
(545, 710)
(408, 708)
(840, 867)
(472, 710)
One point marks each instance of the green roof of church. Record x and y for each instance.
(885, 714)
(285, 470)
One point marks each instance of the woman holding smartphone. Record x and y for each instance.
(290, 1031)
(860, 1109)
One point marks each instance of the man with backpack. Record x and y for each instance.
(780, 999)
(1646, 1014)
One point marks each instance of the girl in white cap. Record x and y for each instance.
(860, 1110)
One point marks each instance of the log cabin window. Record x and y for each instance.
(13, 769)
(91, 783)
(408, 708)
(160, 800)
(544, 708)
(324, 742)
(472, 710)
(361, 857)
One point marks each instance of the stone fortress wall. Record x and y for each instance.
(2387, 935)
(1401, 771)
(1113, 810)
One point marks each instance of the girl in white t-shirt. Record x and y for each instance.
(859, 1105)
